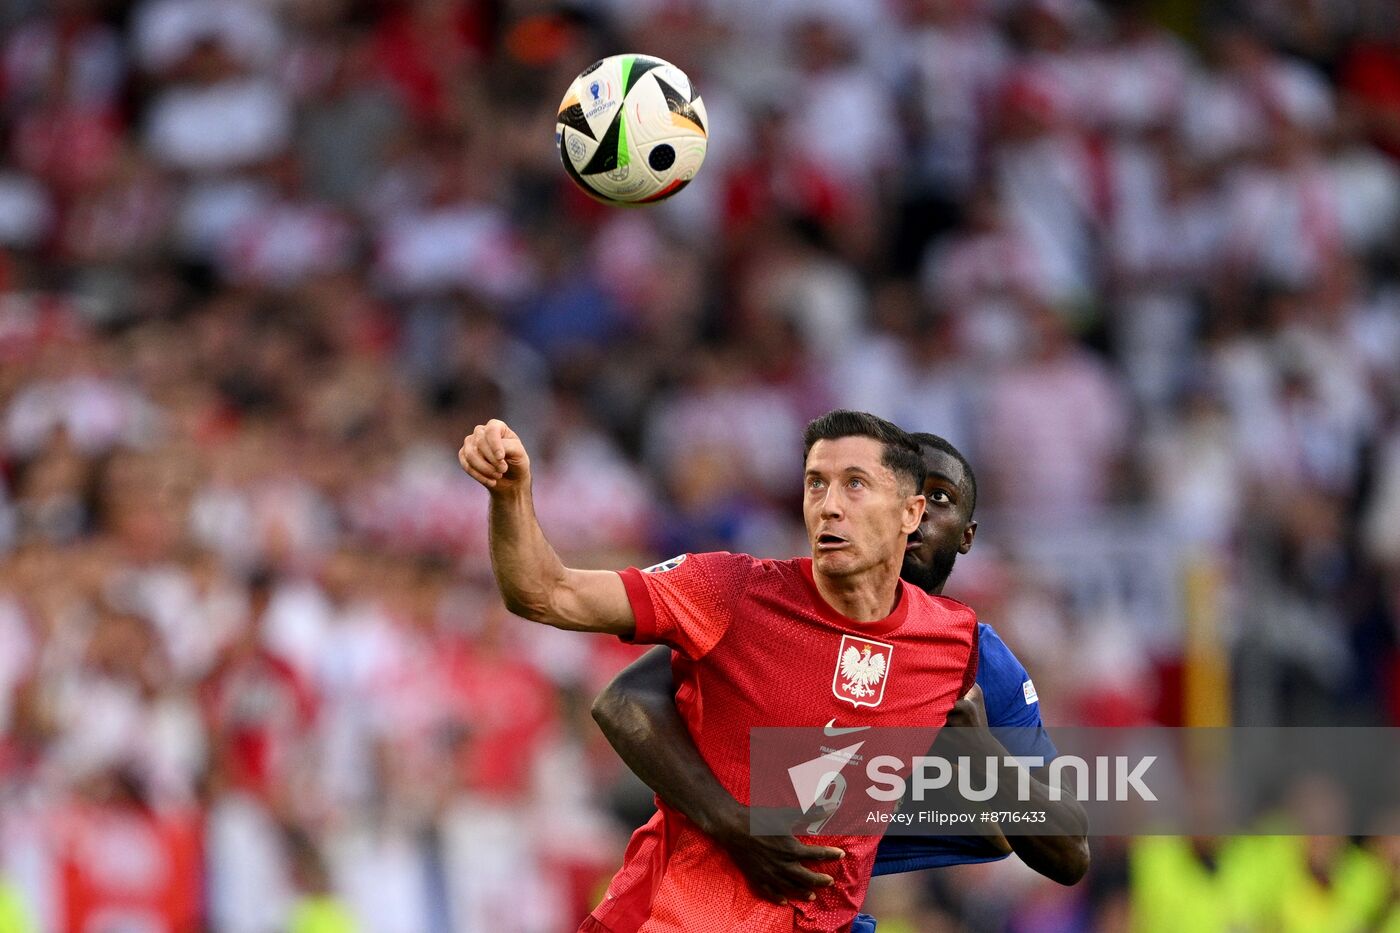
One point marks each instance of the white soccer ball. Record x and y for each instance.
(632, 130)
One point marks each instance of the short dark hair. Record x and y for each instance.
(901, 452)
(946, 446)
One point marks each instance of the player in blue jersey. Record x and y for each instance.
(637, 714)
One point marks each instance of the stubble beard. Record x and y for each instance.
(932, 577)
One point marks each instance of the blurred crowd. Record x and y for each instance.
(262, 264)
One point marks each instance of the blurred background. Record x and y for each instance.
(264, 262)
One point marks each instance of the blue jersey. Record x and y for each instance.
(1011, 701)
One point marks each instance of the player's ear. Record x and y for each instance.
(969, 532)
(913, 512)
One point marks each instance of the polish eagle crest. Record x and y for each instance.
(861, 668)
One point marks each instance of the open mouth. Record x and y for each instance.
(916, 538)
(826, 541)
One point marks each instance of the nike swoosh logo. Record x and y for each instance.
(831, 729)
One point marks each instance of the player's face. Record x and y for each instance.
(857, 513)
(945, 531)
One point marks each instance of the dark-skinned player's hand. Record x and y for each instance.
(969, 717)
(970, 712)
(966, 731)
(774, 865)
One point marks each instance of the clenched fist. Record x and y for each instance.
(493, 456)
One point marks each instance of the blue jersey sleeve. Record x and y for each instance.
(1013, 708)
(1009, 694)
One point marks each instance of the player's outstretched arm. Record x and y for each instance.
(533, 581)
(1061, 856)
(637, 712)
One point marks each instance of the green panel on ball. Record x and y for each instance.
(627, 73)
(633, 67)
(605, 157)
(623, 158)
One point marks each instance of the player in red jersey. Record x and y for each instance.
(758, 643)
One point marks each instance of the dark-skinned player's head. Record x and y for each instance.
(862, 494)
(947, 529)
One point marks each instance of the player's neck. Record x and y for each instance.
(865, 597)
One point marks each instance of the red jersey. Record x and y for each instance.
(757, 645)
(122, 868)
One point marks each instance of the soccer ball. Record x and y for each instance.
(632, 130)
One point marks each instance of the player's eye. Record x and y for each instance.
(938, 495)
(814, 483)
(856, 483)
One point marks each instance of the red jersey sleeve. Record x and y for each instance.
(688, 601)
(970, 672)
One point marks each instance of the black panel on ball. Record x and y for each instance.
(662, 157)
(679, 105)
(578, 179)
(573, 117)
(605, 157)
(641, 64)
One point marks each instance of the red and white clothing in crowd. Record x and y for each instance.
(465, 714)
(426, 503)
(509, 708)
(422, 48)
(1162, 228)
(164, 32)
(273, 514)
(286, 242)
(62, 77)
(462, 245)
(88, 51)
(982, 277)
(982, 265)
(96, 413)
(260, 712)
(124, 867)
(759, 425)
(68, 146)
(212, 128)
(1052, 432)
(1133, 84)
(1230, 111)
(958, 63)
(854, 100)
(462, 727)
(1284, 221)
(1050, 190)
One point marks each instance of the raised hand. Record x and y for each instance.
(494, 456)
